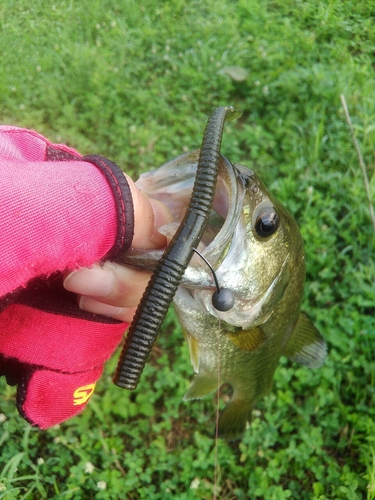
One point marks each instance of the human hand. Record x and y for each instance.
(112, 289)
(52, 350)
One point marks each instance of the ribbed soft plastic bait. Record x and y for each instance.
(167, 276)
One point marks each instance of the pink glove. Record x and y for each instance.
(58, 212)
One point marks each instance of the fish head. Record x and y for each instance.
(255, 246)
(251, 241)
(263, 265)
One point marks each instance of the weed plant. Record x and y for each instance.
(136, 81)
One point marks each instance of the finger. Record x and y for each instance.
(148, 216)
(110, 283)
(120, 313)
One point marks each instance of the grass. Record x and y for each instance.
(136, 81)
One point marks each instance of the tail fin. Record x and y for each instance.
(233, 420)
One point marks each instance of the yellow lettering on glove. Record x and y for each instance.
(83, 394)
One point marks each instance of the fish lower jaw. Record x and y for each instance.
(250, 312)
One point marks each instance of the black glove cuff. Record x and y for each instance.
(123, 200)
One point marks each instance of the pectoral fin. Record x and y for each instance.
(202, 385)
(193, 349)
(306, 345)
(248, 340)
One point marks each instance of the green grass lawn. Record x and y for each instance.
(136, 81)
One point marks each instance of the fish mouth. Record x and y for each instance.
(172, 184)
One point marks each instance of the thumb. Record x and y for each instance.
(149, 214)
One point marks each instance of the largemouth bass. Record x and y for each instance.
(256, 249)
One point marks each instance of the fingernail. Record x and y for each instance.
(96, 282)
(94, 306)
(162, 215)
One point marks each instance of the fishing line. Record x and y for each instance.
(216, 459)
(222, 300)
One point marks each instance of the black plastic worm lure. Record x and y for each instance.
(168, 274)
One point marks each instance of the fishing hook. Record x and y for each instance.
(166, 278)
(223, 298)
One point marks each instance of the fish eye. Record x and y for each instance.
(267, 222)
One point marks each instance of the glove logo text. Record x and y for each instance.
(83, 394)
